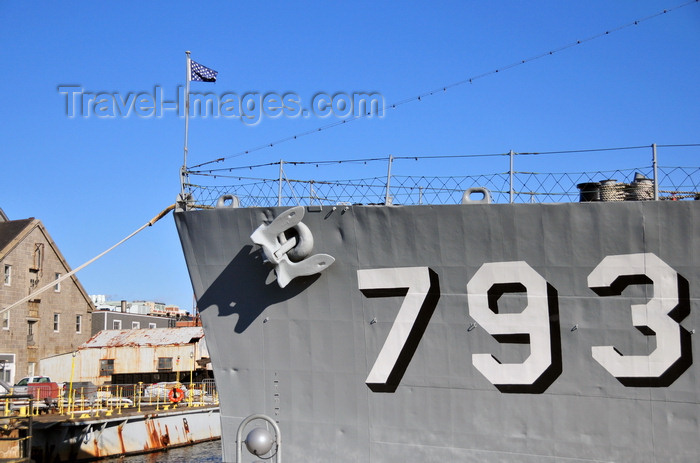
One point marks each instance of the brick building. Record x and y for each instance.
(54, 322)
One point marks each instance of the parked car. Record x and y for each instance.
(41, 387)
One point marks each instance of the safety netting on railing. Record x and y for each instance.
(287, 183)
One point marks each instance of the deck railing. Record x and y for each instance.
(288, 183)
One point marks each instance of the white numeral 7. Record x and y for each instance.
(422, 290)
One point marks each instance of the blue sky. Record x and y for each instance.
(93, 180)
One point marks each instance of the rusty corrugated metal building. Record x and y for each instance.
(132, 356)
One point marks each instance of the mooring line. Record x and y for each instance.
(155, 219)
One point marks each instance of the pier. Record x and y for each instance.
(109, 421)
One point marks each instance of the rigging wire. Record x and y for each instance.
(449, 86)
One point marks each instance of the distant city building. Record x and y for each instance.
(174, 310)
(137, 307)
(98, 299)
(147, 307)
(54, 322)
(123, 315)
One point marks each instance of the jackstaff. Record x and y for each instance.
(198, 73)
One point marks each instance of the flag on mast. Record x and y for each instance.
(199, 73)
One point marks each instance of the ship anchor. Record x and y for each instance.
(290, 254)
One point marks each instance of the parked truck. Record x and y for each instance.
(41, 388)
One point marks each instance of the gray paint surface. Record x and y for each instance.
(302, 354)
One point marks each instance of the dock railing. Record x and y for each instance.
(89, 400)
(16, 429)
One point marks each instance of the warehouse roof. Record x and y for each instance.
(145, 337)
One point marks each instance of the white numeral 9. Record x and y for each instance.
(537, 322)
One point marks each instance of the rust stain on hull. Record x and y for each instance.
(95, 445)
(165, 438)
(121, 437)
(153, 434)
(77, 440)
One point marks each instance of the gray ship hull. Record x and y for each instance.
(472, 333)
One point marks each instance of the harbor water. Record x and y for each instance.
(205, 452)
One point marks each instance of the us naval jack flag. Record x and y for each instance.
(201, 73)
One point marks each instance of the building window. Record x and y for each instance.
(106, 367)
(56, 322)
(6, 320)
(30, 332)
(135, 325)
(57, 286)
(165, 363)
(151, 325)
(116, 324)
(8, 275)
(31, 369)
(38, 256)
(78, 324)
(6, 375)
(7, 368)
